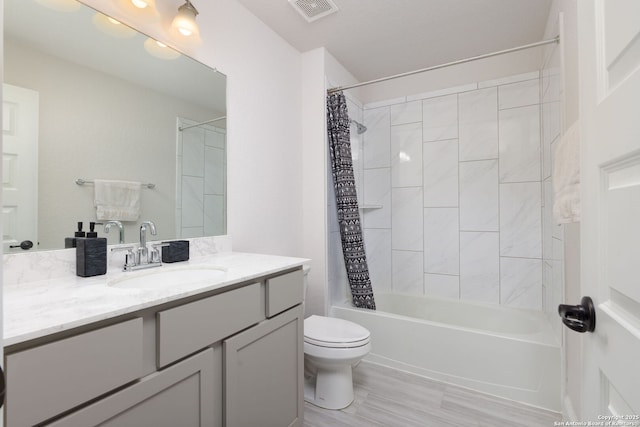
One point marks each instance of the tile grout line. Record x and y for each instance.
(499, 202)
(459, 203)
(542, 193)
(390, 152)
(424, 252)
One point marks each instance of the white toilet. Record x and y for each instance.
(331, 348)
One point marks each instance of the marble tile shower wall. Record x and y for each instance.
(201, 186)
(453, 191)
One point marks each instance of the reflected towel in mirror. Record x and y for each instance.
(117, 200)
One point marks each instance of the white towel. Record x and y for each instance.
(566, 177)
(117, 200)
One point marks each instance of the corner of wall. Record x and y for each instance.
(313, 179)
(1, 224)
(562, 21)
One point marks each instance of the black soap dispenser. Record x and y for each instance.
(92, 233)
(91, 254)
(70, 242)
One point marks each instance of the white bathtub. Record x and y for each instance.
(506, 352)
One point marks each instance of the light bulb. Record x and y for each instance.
(185, 20)
(185, 30)
(140, 4)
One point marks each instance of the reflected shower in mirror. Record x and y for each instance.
(90, 98)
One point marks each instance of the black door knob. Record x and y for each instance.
(24, 245)
(580, 318)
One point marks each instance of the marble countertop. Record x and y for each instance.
(38, 308)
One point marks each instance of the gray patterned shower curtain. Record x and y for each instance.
(355, 259)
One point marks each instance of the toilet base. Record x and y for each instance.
(330, 388)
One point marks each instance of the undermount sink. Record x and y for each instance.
(162, 277)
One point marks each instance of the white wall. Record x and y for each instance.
(568, 57)
(1, 227)
(314, 178)
(264, 129)
(264, 119)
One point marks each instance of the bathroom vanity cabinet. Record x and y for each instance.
(229, 357)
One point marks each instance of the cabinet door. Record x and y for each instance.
(180, 395)
(263, 373)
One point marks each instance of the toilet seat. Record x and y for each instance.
(334, 333)
(336, 345)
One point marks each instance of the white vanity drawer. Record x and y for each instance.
(284, 292)
(46, 380)
(188, 328)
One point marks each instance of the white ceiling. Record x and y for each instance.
(377, 38)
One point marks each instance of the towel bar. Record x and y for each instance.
(81, 181)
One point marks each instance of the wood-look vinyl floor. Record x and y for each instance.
(387, 397)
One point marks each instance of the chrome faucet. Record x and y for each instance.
(107, 227)
(143, 251)
(138, 257)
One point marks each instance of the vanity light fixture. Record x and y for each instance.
(185, 20)
(160, 50)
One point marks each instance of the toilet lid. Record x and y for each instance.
(332, 332)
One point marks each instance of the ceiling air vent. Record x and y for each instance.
(312, 10)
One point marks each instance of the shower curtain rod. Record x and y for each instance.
(202, 123)
(448, 64)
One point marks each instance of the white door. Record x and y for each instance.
(609, 40)
(19, 167)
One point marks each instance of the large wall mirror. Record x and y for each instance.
(87, 98)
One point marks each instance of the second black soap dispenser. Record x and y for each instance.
(92, 233)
